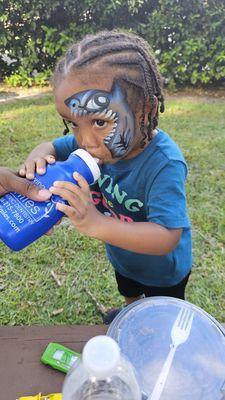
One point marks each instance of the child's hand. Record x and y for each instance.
(38, 165)
(81, 210)
(37, 160)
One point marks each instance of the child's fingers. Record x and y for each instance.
(72, 199)
(81, 182)
(50, 159)
(41, 163)
(69, 211)
(41, 166)
(22, 170)
(77, 190)
(30, 169)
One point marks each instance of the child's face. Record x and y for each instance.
(101, 119)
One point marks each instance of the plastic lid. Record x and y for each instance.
(90, 161)
(149, 330)
(100, 356)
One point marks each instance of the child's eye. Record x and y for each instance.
(99, 123)
(73, 125)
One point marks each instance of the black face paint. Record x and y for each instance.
(111, 106)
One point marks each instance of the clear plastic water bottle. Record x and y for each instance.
(22, 220)
(102, 373)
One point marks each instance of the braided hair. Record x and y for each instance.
(133, 63)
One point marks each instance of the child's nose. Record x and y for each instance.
(88, 139)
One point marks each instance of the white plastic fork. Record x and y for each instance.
(179, 334)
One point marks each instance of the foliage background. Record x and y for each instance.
(187, 36)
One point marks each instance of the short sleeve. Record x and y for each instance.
(64, 146)
(166, 202)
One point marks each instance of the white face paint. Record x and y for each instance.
(112, 106)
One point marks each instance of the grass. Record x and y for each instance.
(29, 293)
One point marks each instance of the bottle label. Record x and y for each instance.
(13, 212)
(17, 209)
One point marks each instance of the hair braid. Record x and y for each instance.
(149, 88)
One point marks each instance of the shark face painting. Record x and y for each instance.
(111, 106)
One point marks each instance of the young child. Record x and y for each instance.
(108, 89)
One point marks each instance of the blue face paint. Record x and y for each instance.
(111, 106)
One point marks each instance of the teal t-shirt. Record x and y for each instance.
(148, 187)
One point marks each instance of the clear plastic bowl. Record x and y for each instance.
(143, 332)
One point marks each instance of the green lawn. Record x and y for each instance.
(29, 293)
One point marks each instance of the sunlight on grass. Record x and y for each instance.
(28, 292)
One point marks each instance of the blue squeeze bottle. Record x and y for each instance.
(22, 220)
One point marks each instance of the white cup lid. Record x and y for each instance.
(90, 161)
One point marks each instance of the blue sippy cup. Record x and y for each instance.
(22, 220)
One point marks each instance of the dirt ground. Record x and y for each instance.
(211, 95)
(8, 93)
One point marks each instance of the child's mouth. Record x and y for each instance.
(99, 161)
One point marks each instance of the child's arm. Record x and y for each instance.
(140, 237)
(47, 153)
(38, 158)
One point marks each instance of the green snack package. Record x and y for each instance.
(59, 357)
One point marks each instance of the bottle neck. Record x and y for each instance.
(101, 356)
(89, 161)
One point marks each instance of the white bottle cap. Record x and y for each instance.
(90, 161)
(101, 356)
